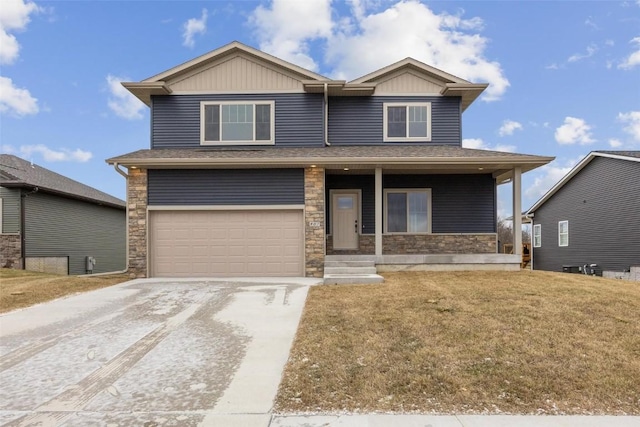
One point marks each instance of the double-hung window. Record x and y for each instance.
(563, 233)
(237, 122)
(537, 235)
(407, 121)
(408, 211)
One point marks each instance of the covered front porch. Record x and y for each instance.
(424, 217)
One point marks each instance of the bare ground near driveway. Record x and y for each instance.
(468, 343)
(20, 288)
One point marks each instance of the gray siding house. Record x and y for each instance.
(591, 216)
(50, 223)
(259, 167)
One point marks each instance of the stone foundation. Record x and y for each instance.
(314, 219)
(411, 244)
(137, 218)
(439, 244)
(367, 243)
(11, 251)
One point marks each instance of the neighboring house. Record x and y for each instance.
(260, 167)
(591, 216)
(51, 223)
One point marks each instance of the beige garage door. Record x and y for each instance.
(226, 243)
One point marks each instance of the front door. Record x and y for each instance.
(345, 220)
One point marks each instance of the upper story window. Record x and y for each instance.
(563, 233)
(237, 122)
(537, 235)
(408, 211)
(409, 121)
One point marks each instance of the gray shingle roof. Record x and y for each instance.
(17, 172)
(635, 154)
(352, 153)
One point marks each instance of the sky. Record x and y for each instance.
(564, 76)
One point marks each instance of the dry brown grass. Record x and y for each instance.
(19, 288)
(469, 342)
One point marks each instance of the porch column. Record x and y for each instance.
(378, 199)
(516, 183)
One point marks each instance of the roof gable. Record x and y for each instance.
(632, 156)
(17, 172)
(410, 64)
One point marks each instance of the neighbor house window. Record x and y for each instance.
(407, 121)
(238, 122)
(537, 235)
(563, 233)
(408, 211)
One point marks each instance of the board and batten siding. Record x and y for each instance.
(299, 122)
(175, 187)
(58, 227)
(602, 205)
(10, 210)
(460, 203)
(359, 120)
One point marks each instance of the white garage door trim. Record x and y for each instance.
(262, 252)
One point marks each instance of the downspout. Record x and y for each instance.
(23, 225)
(126, 261)
(326, 114)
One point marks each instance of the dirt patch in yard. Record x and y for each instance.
(468, 342)
(20, 288)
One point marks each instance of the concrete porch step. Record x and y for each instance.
(352, 279)
(332, 264)
(349, 270)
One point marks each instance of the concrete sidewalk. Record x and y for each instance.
(382, 420)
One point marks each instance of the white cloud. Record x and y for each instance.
(121, 101)
(590, 22)
(50, 155)
(553, 66)
(14, 16)
(591, 50)
(410, 28)
(548, 176)
(368, 40)
(479, 144)
(615, 143)
(16, 101)
(285, 28)
(508, 127)
(633, 59)
(574, 130)
(194, 26)
(632, 120)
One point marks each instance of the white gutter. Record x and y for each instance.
(326, 114)
(126, 177)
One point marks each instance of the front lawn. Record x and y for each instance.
(20, 288)
(469, 342)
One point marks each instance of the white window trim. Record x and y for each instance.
(537, 235)
(272, 123)
(407, 190)
(385, 107)
(560, 233)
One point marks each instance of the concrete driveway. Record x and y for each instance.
(150, 353)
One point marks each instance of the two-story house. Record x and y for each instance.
(260, 167)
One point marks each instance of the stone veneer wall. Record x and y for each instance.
(137, 212)
(11, 251)
(314, 240)
(395, 244)
(367, 243)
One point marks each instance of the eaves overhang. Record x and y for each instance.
(469, 92)
(144, 90)
(39, 188)
(339, 88)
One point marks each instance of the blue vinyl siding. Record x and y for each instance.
(175, 119)
(359, 120)
(602, 205)
(57, 226)
(185, 187)
(461, 203)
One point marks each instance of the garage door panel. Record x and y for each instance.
(226, 243)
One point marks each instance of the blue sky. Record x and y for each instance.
(565, 76)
